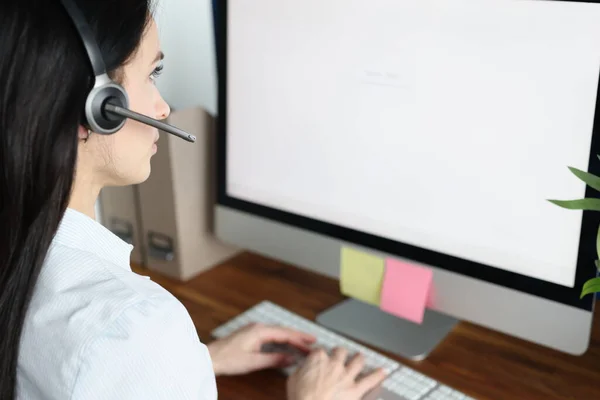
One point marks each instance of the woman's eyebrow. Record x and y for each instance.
(159, 57)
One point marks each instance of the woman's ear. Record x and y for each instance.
(83, 133)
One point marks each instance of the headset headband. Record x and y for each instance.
(87, 37)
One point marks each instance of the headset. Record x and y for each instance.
(107, 104)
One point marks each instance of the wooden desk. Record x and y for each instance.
(481, 363)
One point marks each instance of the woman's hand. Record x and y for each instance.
(332, 378)
(240, 352)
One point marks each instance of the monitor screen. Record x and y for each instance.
(441, 124)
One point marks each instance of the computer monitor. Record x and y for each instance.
(432, 131)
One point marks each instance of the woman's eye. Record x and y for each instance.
(156, 73)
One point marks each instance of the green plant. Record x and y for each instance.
(591, 204)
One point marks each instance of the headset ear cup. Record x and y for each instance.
(98, 120)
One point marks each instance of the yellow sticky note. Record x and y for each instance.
(361, 275)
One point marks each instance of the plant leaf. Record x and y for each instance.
(581, 204)
(597, 262)
(598, 244)
(590, 179)
(591, 286)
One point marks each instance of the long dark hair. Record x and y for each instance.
(44, 80)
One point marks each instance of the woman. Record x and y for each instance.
(75, 321)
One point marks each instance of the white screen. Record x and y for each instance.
(442, 124)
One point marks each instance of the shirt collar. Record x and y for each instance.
(77, 230)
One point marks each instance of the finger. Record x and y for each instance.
(318, 354)
(316, 361)
(339, 355)
(319, 349)
(370, 381)
(356, 365)
(299, 339)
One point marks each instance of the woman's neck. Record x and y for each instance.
(84, 196)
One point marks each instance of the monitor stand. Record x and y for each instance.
(370, 325)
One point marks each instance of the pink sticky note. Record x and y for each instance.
(405, 290)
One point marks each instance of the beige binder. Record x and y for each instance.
(176, 202)
(119, 212)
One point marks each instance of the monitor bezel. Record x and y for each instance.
(589, 228)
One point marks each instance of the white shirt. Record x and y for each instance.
(97, 330)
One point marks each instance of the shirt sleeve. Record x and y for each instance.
(151, 352)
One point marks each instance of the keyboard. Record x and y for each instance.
(402, 383)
